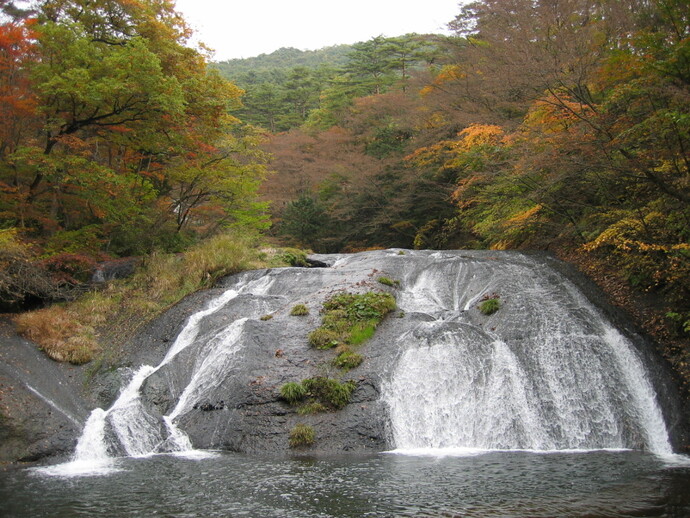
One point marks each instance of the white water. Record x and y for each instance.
(545, 373)
(137, 432)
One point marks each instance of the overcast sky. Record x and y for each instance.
(246, 28)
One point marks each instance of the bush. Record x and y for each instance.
(22, 276)
(302, 435)
(294, 257)
(490, 306)
(293, 392)
(299, 310)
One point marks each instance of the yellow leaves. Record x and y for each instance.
(450, 73)
(458, 195)
(524, 217)
(448, 154)
(480, 135)
(556, 112)
(633, 234)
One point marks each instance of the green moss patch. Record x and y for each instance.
(490, 306)
(351, 318)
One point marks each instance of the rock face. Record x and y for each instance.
(218, 359)
(219, 381)
(41, 406)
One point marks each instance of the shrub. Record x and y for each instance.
(302, 435)
(293, 392)
(347, 360)
(299, 310)
(23, 276)
(323, 338)
(490, 306)
(387, 281)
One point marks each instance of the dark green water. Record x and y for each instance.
(492, 484)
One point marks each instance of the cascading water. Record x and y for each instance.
(546, 372)
(132, 428)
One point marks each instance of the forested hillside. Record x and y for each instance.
(116, 139)
(562, 126)
(285, 87)
(537, 125)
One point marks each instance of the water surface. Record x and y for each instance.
(490, 484)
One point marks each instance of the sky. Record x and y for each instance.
(247, 28)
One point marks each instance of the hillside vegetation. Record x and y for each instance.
(537, 125)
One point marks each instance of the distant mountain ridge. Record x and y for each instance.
(284, 59)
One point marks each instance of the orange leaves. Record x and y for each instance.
(447, 74)
(557, 112)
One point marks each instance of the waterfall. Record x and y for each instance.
(136, 431)
(545, 372)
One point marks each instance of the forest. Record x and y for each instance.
(549, 125)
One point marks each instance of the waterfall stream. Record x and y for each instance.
(132, 428)
(546, 372)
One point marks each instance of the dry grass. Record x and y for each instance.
(78, 331)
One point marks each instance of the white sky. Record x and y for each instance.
(247, 28)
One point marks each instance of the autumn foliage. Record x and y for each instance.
(116, 138)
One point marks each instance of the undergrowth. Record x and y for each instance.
(78, 331)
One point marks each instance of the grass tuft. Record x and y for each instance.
(347, 360)
(323, 338)
(313, 407)
(293, 392)
(302, 435)
(329, 392)
(299, 310)
(387, 281)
